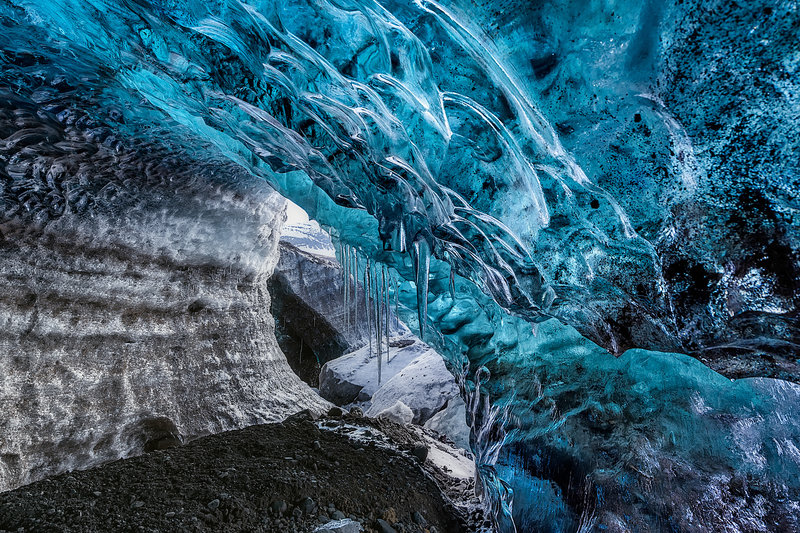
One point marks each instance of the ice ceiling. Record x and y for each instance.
(543, 183)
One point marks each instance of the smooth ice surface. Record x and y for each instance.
(535, 184)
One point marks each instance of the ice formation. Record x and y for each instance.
(532, 184)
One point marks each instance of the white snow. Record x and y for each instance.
(399, 413)
(339, 526)
(306, 234)
(454, 461)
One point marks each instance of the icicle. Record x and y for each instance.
(344, 282)
(366, 305)
(377, 303)
(349, 260)
(402, 236)
(452, 284)
(355, 294)
(422, 265)
(349, 288)
(301, 350)
(367, 294)
(396, 303)
(386, 312)
(354, 274)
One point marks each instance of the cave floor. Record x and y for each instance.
(257, 479)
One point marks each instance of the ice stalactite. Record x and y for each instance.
(422, 265)
(372, 317)
(355, 291)
(346, 286)
(376, 303)
(396, 287)
(386, 310)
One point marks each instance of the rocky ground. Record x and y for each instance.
(343, 473)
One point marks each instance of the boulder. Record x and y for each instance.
(425, 385)
(452, 422)
(354, 376)
(399, 413)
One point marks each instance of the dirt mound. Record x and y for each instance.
(286, 477)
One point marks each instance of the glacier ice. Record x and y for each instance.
(535, 184)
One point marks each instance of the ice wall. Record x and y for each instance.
(134, 308)
(682, 111)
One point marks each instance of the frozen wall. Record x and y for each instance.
(137, 318)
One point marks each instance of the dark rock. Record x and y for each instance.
(335, 412)
(305, 414)
(195, 306)
(420, 451)
(307, 296)
(419, 519)
(307, 505)
(256, 502)
(383, 526)
(163, 443)
(279, 507)
(542, 66)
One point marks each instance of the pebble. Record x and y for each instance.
(279, 507)
(137, 504)
(213, 504)
(384, 527)
(307, 505)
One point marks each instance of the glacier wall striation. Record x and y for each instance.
(138, 319)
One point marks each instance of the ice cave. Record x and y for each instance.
(400, 266)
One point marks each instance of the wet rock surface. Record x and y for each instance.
(299, 475)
